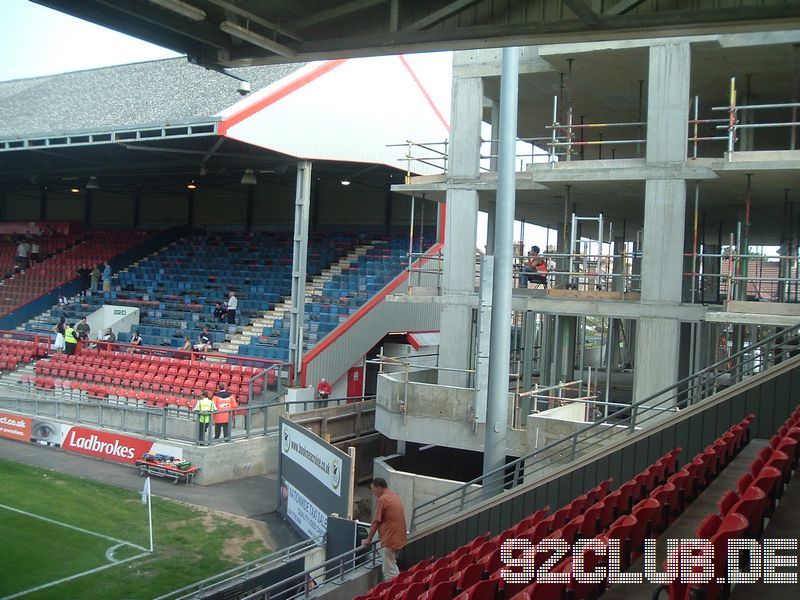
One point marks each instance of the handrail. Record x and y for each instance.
(332, 570)
(642, 413)
(241, 572)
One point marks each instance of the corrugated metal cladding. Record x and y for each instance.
(385, 317)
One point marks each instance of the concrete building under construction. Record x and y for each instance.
(664, 169)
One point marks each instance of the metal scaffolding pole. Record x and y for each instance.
(302, 199)
(497, 402)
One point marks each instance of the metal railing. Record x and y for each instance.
(611, 429)
(332, 571)
(569, 140)
(168, 422)
(242, 573)
(745, 277)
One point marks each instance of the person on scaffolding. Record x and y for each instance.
(534, 270)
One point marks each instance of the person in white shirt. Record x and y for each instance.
(35, 251)
(233, 302)
(22, 254)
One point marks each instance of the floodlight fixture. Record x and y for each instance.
(249, 178)
(182, 8)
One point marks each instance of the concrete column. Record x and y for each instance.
(461, 223)
(494, 151)
(567, 328)
(657, 349)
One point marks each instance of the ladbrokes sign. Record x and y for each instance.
(105, 445)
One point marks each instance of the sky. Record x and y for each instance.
(36, 41)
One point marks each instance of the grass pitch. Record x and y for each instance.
(82, 539)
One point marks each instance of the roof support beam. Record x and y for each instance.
(584, 13)
(623, 6)
(256, 39)
(256, 19)
(440, 15)
(342, 10)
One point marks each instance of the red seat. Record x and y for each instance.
(541, 591)
(629, 497)
(667, 496)
(753, 507)
(726, 502)
(733, 526)
(682, 480)
(439, 575)
(781, 461)
(647, 514)
(482, 590)
(491, 562)
(788, 446)
(769, 479)
(593, 520)
(413, 591)
(530, 520)
(441, 591)
(573, 530)
(469, 576)
(577, 506)
(561, 516)
(743, 483)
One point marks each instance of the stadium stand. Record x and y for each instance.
(176, 289)
(332, 298)
(641, 508)
(62, 256)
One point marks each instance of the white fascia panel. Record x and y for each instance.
(356, 110)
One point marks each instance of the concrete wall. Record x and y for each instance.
(425, 399)
(413, 489)
(219, 462)
(235, 460)
(426, 412)
(551, 425)
(119, 318)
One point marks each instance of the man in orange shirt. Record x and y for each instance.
(224, 402)
(390, 523)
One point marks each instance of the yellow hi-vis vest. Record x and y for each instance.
(69, 336)
(204, 408)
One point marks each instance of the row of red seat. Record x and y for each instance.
(649, 517)
(640, 508)
(152, 380)
(743, 511)
(14, 353)
(465, 569)
(57, 270)
(121, 361)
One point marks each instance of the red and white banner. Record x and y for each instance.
(101, 444)
(15, 427)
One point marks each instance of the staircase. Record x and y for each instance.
(314, 288)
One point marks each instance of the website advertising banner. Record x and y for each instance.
(315, 479)
(82, 440)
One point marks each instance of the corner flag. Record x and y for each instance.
(146, 502)
(146, 491)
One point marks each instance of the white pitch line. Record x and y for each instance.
(71, 577)
(110, 552)
(68, 526)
